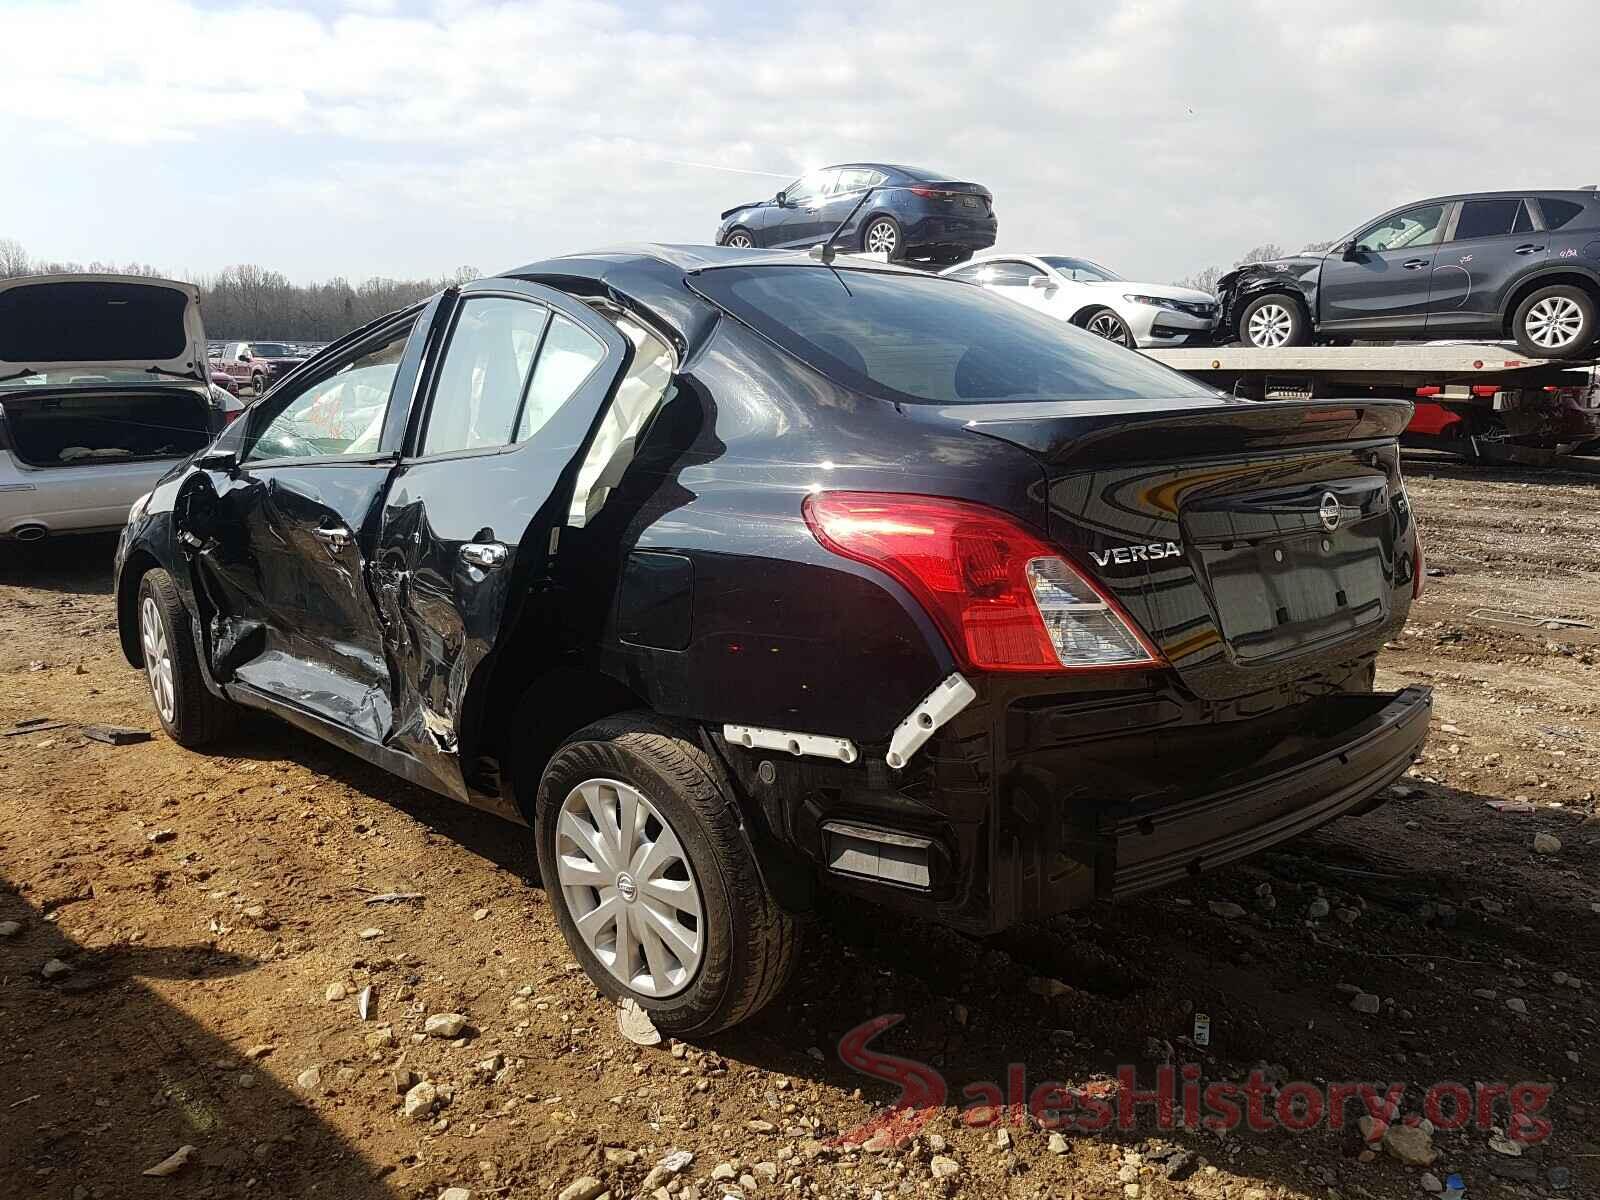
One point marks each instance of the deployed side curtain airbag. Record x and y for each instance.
(642, 391)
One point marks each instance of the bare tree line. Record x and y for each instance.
(248, 301)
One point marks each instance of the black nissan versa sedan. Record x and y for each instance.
(738, 574)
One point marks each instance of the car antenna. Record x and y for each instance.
(825, 252)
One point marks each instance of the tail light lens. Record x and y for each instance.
(928, 193)
(1004, 599)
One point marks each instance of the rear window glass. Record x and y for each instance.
(91, 322)
(925, 339)
(1559, 212)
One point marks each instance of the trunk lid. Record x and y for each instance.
(113, 328)
(1258, 545)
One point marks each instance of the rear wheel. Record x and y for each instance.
(653, 882)
(189, 713)
(1555, 322)
(882, 236)
(1273, 321)
(1102, 322)
(740, 239)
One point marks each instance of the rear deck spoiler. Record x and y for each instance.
(1094, 434)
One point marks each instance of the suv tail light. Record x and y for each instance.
(1004, 599)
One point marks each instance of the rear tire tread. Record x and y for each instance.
(773, 938)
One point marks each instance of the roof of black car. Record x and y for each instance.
(689, 258)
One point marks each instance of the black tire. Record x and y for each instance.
(739, 231)
(258, 383)
(196, 717)
(749, 943)
(1573, 303)
(883, 226)
(1102, 322)
(1294, 327)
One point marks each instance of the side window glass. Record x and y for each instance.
(972, 274)
(337, 414)
(854, 179)
(485, 372)
(568, 357)
(1487, 218)
(1558, 213)
(809, 188)
(1419, 227)
(1009, 274)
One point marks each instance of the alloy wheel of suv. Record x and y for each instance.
(1272, 321)
(1555, 322)
(740, 240)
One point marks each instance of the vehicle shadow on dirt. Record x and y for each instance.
(76, 565)
(102, 1078)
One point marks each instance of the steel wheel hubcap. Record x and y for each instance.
(1110, 327)
(157, 658)
(1555, 322)
(740, 240)
(630, 887)
(881, 238)
(1270, 325)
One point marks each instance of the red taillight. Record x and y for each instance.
(1004, 599)
(928, 193)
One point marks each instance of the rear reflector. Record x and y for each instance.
(1004, 599)
(881, 854)
(1420, 581)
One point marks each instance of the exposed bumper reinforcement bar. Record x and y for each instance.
(1148, 849)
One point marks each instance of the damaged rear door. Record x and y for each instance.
(282, 532)
(503, 420)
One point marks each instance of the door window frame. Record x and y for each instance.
(422, 407)
(1446, 226)
(259, 421)
(1453, 225)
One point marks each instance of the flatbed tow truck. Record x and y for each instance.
(1478, 400)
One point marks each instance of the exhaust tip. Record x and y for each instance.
(31, 532)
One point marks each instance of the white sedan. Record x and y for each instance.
(1147, 315)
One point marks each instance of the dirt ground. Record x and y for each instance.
(215, 913)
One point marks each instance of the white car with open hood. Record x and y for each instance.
(1146, 315)
(103, 385)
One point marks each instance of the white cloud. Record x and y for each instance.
(1157, 136)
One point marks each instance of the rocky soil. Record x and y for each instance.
(190, 943)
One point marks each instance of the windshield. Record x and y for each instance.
(924, 339)
(271, 350)
(1082, 270)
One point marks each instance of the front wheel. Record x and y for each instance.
(740, 239)
(258, 383)
(189, 713)
(654, 884)
(1270, 322)
(1105, 323)
(1555, 322)
(882, 236)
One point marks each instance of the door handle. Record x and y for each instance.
(335, 538)
(1529, 249)
(1414, 264)
(483, 554)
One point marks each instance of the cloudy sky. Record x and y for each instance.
(409, 137)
